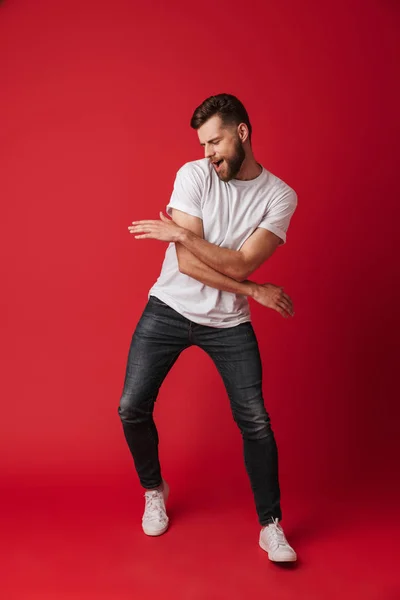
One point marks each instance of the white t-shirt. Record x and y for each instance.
(231, 212)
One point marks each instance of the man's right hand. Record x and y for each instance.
(273, 296)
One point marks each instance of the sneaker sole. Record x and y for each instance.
(264, 547)
(155, 533)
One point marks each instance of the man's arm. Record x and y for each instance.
(236, 264)
(267, 294)
(259, 247)
(192, 266)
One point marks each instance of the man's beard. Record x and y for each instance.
(233, 165)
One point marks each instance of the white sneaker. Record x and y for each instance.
(155, 520)
(273, 541)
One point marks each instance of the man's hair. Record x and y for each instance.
(227, 107)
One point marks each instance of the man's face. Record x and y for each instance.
(222, 143)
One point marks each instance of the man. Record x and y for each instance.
(229, 214)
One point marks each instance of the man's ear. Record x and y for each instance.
(243, 132)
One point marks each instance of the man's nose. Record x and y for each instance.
(208, 151)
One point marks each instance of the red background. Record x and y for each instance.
(95, 104)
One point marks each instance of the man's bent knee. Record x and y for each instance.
(256, 426)
(133, 410)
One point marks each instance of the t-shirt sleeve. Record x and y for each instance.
(280, 211)
(187, 192)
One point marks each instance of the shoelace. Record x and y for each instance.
(275, 534)
(154, 508)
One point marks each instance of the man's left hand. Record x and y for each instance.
(164, 230)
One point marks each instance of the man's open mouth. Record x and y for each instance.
(218, 163)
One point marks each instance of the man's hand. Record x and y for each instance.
(273, 296)
(164, 230)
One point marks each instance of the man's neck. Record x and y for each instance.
(250, 169)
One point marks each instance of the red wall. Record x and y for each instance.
(95, 104)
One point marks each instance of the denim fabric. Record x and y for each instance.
(159, 338)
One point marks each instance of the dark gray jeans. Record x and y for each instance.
(160, 336)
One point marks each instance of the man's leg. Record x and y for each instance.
(158, 340)
(236, 355)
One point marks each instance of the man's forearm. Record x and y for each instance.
(194, 267)
(223, 260)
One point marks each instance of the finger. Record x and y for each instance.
(288, 298)
(291, 311)
(281, 311)
(286, 306)
(287, 311)
(282, 298)
(146, 222)
(143, 236)
(143, 228)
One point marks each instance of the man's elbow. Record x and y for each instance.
(240, 273)
(239, 269)
(183, 268)
(183, 263)
(243, 277)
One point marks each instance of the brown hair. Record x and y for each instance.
(226, 106)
